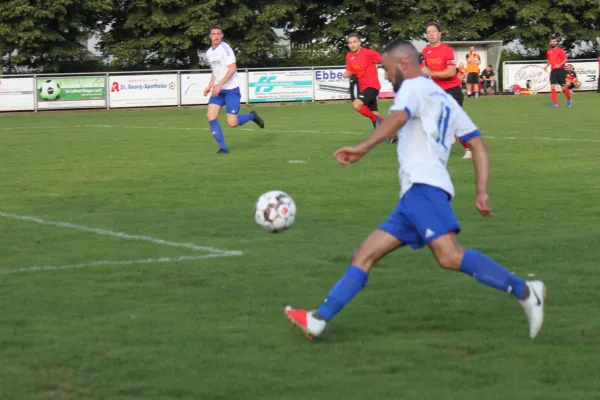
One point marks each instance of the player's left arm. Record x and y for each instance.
(468, 132)
(375, 56)
(450, 70)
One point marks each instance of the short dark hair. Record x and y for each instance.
(401, 43)
(354, 34)
(215, 27)
(437, 26)
(490, 65)
(553, 37)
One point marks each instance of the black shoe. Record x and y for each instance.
(393, 140)
(258, 120)
(223, 151)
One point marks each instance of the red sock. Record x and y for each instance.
(567, 93)
(553, 94)
(466, 146)
(364, 110)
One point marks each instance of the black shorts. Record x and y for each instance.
(472, 78)
(367, 96)
(558, 77)
(457, 93)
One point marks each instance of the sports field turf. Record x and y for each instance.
(131, 267)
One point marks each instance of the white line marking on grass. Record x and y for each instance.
(118, 262)
(120, 235)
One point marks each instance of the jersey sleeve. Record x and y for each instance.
(229, 55)
(374, 56)
(465, 127)
(406, 100)
(449, 55)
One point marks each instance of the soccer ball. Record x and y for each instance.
(49, 90)
(275, 211)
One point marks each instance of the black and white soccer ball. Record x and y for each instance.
(275, 211)
(49, 90)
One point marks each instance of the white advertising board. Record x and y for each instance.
(16, 94)
(330, 84)
(143, 90)
(539, 77)
(193, 84)
(292, 85)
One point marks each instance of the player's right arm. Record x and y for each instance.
(210, 85)
(348, 71)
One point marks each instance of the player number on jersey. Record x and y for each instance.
(443, 121)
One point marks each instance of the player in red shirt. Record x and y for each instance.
(557, 58)
(361, 68)
(441, 67)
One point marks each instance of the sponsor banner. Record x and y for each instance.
(193, 85)
(520, 73)
(17, 94)
(293, 85)
(143, 90)
(330, 84)
(71, 92)
(387, 89)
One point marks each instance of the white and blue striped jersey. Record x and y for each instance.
(425, 140)
(220, 58)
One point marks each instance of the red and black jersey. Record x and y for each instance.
(363, 65)
(437, 59)
(556, 56)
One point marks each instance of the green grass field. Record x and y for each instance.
(88, 312)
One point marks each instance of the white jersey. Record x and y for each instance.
(220, 58)
(425, 140)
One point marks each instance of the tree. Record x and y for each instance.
(39, 35)
(169, 33)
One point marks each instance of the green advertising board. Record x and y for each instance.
(72, 92)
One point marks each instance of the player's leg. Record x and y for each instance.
(553, 86)
(360, 105)
(450, 255)
(392, 234)
(431, 213)
(214, 105)
(233, 99)
(562, 81)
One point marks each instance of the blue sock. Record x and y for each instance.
(343, 291)
(217, 132)
(490, 273)
(243, 118)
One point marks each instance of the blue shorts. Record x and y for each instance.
(230, 98)
(423, 214)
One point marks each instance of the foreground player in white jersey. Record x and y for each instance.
(224, 88)
(425, 118)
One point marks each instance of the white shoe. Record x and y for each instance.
(534, 306)
(468, 154)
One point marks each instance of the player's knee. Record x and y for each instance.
(357, 106)
(450, 259)
(232, 123)
(364, 257)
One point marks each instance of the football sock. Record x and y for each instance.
(364, 110)
(466, 146)
(553, 94)
(352, 282)
(243, 118)
(217, 132)
(490, 273)
(567, 93)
